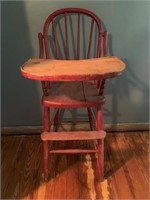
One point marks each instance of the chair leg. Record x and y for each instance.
(100, 159)
(90, 118)
(99, 119)
(46, 121)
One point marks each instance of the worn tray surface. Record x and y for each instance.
(59, 70)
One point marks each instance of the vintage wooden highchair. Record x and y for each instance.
(73, 34)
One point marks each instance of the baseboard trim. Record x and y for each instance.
(127, 127)
(35, 130)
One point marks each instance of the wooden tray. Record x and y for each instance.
(72, 70)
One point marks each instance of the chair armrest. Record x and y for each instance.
(41, 49)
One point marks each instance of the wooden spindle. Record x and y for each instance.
(55, 39)
(99, 45)
(78, 38)
(90, 38)
(66, 31)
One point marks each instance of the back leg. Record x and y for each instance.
(100, 159)
(46, 120)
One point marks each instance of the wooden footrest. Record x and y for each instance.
(73, 135)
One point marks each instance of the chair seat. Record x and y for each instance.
(73, 94)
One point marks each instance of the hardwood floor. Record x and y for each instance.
(75, 176)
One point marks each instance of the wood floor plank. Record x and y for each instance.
(53, 159)
(83, 168)
(108, 173)
(119, 178)
(9, 147)
(23, 170)
(75, 176)
(133, 169)
(38, 181)
(26, 184)
(9, 164)
(59, 189)
(143, 146)
(72, 177)
(141, 155)
(30, 169)
(135, 144)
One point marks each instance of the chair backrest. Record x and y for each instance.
(72, 33)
